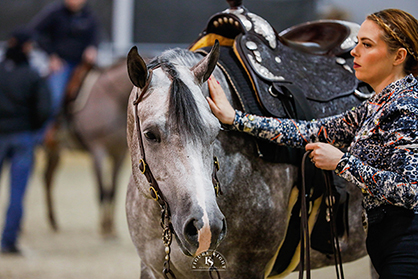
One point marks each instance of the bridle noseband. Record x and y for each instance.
(154, 189)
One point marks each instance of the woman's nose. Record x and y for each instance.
(353, 52)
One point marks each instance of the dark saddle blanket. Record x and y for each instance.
(304, 72)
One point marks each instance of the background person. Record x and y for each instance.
(381, 135)
(24, 107)
(68, 32)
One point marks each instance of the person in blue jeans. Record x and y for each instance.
(68, 32)
(25, 105)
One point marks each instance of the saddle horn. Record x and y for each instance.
(137, 68)
(233, 4)
(205, 67)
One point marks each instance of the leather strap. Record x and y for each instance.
(155, 191)
(293, 100)
(304, 227)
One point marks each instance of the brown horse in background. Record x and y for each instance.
(94, 120)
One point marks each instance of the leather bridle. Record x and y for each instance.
(155, 191)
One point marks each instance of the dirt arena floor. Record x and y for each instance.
(77, 250)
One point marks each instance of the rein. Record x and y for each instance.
(304, 230)
(155, 190)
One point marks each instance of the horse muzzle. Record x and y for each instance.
(203, 234)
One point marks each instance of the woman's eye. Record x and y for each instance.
(366, 45)
(151, 136)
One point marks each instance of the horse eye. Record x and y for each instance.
(151, 136)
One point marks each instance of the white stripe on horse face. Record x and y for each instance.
(204, 234)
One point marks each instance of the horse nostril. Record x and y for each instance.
(190, 232)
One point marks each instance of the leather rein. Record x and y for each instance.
(155, 190)
(304, 225)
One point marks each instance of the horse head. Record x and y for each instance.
(178, 134)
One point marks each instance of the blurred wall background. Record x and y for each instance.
(164, 21)
(155, 25)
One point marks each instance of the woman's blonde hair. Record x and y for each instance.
(401, 31)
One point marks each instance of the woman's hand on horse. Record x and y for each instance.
(218, 102)
(324, 155)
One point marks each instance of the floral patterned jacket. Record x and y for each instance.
(381, 137)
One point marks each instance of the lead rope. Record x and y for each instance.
(334, 234)
(214, 269)
(304, 231)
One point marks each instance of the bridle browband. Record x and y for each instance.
(154, 189)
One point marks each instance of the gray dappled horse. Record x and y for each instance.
(180, 138)
(95, 121)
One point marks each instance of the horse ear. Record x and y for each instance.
(205, 67)
(137, 69)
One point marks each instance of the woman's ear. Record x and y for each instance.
(400, 57)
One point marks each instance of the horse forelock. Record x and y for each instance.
(184, 114)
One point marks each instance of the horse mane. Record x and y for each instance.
(183, 110)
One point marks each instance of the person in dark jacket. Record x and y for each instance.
(68, 32)
(24, 107)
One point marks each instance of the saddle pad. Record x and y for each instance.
(287, 256)
(238, 79)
